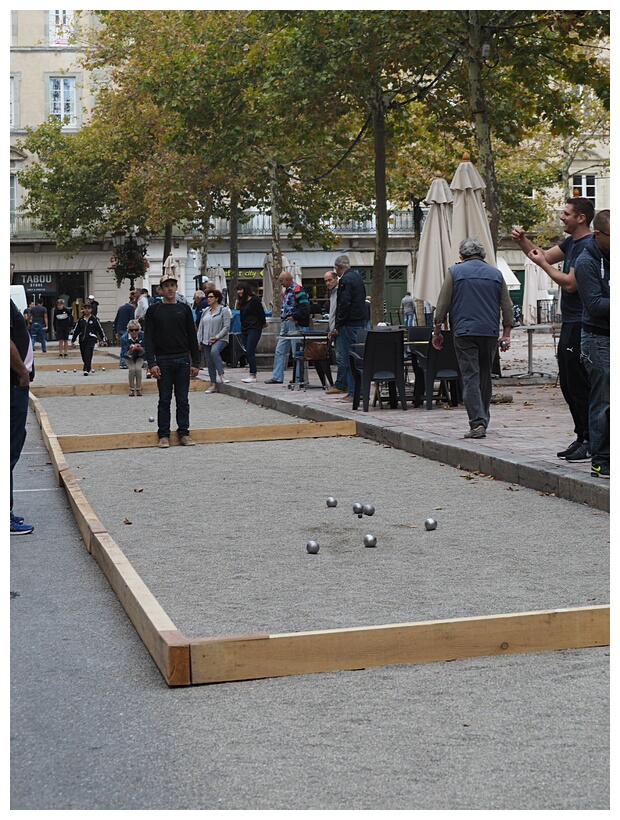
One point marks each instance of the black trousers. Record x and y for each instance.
(87, 349)
(574, 381)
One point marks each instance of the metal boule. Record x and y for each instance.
(368, 509)
(151, 419)
(358, 509)
(312, 547)
(331, 501)
(430, 524)
(370, 540)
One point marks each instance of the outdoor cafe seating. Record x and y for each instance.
(378, 356)
(431, 365)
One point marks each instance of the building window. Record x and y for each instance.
(11, 104)
(62, 100)
(585, 185)
(61, 26)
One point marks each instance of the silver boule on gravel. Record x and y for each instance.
(430, 524)
(368, 509)
(358, 509)
(151, 419)
(331, 501)
(370, 540)
(312, 547)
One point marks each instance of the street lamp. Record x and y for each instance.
(130, 251)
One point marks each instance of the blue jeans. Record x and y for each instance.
(595, 357)
(347, 334)
(283, 347)
(343, 365)
(19, 414)
(37, 331)
(174, 376)
(250, 339)
(213, 358)
(409, 319)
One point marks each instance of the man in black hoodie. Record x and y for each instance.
(592, 274)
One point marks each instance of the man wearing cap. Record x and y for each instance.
(94, 304)
(172, 355)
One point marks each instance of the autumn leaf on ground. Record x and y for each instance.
(127, 521)
(138, 489)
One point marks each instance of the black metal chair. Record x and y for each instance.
(438, 365)
(382, 361)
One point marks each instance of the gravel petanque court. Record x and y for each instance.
(218, 532)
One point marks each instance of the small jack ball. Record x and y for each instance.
(368, 509)
(370, 540)
(358, 509)
(430, 524)
(151, 419)
(331, 501)
(312, 547)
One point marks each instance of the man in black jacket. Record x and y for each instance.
(350, 315)
(172, 356)
(88, 329)
(22, 372)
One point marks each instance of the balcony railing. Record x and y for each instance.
(400, 222)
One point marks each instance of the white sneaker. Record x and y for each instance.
(223, 380)
(210, 389)
(249, 380)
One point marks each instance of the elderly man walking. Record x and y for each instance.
(295, 315)
(474, 293)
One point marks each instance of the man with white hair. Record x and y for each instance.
(474, 293)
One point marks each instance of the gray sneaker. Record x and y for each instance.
(476, 432)
(582, 453)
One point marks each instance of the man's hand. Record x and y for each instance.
(518, 234)
(504, 342)
(193, 372)
(437, 340)
(537, 256)
(155, 371)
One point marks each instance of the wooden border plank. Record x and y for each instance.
(267, 432)
(88, 523)
(92, 388)
(240, 658)
(168, 647)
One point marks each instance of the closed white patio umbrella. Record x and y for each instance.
(434, 254)
(534, 290)
(469, 218)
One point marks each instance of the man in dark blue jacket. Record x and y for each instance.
(474, 293)
(592, 274)
(350, 315)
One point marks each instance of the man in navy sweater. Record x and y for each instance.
(172, 355)
(592, 274)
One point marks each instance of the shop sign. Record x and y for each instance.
(36, 282)
(247, 274)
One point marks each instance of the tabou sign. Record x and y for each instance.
(36, 282)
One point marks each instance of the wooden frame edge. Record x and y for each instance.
(168, 647)
(251, 657)
(215, 435)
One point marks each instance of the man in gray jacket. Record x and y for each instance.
(474, 293)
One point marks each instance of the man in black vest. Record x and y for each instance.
(474, 293)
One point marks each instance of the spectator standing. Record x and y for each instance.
(172, 356)
(22, 373)
(474, 293)
(39, 324)
(94, 304)
(144, 302)
(124, 315)
(253, 321)
(88, 330)
(63, 322)
(574, 382)
(407, 306)
(340, 385)
(200, 304)
(213, 334)
(592, 271)
(132, 352)
(350, 314)
(295, 316)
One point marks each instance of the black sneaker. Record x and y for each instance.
(570, 450)
(272, 381)
(581, 453)
(600, 470)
